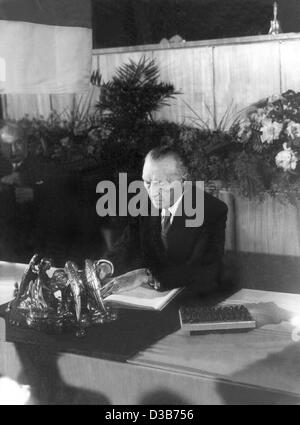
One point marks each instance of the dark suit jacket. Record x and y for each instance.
(193, 257)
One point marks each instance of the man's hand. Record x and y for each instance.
(24, 194)
(130, 280)
(12, 179)
(267, 313)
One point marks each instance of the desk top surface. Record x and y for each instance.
(268, 356)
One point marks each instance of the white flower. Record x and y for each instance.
(244, 128)
(293, 129)
(65, 141)
(79, 129)
(274, 98)
(286, 159)
(105, 132)
(259, 115)
(90, 150)
(270, 130)
(99, 133)
(93, 135)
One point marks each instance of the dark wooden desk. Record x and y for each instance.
(261, 366)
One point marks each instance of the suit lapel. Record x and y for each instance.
(180, 238)
(154, 242)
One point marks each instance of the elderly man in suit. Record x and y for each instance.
(161, 249)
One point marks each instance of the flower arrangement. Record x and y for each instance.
(273, 125)
(270, 131)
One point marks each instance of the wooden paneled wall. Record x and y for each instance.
(262, 243)
(211, 75)
(266, 227)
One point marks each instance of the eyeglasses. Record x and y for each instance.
(157, 184)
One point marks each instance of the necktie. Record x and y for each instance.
(165, 226)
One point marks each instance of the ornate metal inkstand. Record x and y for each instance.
(69, 300)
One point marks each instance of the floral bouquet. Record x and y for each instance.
(273, 126)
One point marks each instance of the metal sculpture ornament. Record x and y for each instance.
(70, 299)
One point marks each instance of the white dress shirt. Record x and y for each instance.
(172, 210)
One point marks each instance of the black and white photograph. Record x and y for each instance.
(149, 205)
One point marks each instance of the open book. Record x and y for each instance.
(143, 297)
